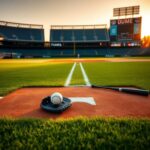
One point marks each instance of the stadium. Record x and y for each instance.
(87, 87)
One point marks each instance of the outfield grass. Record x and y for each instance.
(119, 74)
(15, 74)
(77, 78)
(75, 134)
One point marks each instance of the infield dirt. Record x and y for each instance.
(25, 103)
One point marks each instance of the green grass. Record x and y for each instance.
(75, 134)
(82, 133)
(77, 78)
(126, 73)
(15, 74)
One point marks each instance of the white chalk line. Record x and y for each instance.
(89, 100)
(70, 75)
(1, 97)
(77, 85)
(86, 79)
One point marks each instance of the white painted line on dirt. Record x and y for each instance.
(70, 75)
(77, 85)
(86, 79)
(1, 97)
(89, 100)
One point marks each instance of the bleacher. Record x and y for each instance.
(95, 33)
(21, 32)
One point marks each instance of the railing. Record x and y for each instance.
(20, 25)
(78, 26)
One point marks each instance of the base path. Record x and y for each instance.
(25, 102)
(82, 60)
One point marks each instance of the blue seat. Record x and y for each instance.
(79, 35)
(56, 36)
(68, 35)
(22, 34)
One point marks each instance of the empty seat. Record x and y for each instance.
(22, 34)
(79, 35)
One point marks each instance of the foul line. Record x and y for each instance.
(1, 97)
(87, 82)
(70, 75)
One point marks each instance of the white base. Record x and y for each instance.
(89, 100)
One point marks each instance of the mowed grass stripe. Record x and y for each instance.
(77, 78)
(119, 74)
(16, 75)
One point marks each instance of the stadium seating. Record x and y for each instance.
(28, 41)
(79, 35)
(21, 33)
(56, 35)
(67, 35)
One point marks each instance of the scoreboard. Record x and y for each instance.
(123, 30)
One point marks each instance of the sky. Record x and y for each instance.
(69, 12)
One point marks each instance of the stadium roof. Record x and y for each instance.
(78, 26)
(20, 25)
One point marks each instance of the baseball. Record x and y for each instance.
(56, 98)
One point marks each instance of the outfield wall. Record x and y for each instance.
(48, 53)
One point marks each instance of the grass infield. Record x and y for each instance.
(119, 73)
(81, 133)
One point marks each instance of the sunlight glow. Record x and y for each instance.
(146, 26)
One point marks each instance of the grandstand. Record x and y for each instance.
(27, 41)
(72, 36)
(10, 31)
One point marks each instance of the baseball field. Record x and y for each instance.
(116, 120)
